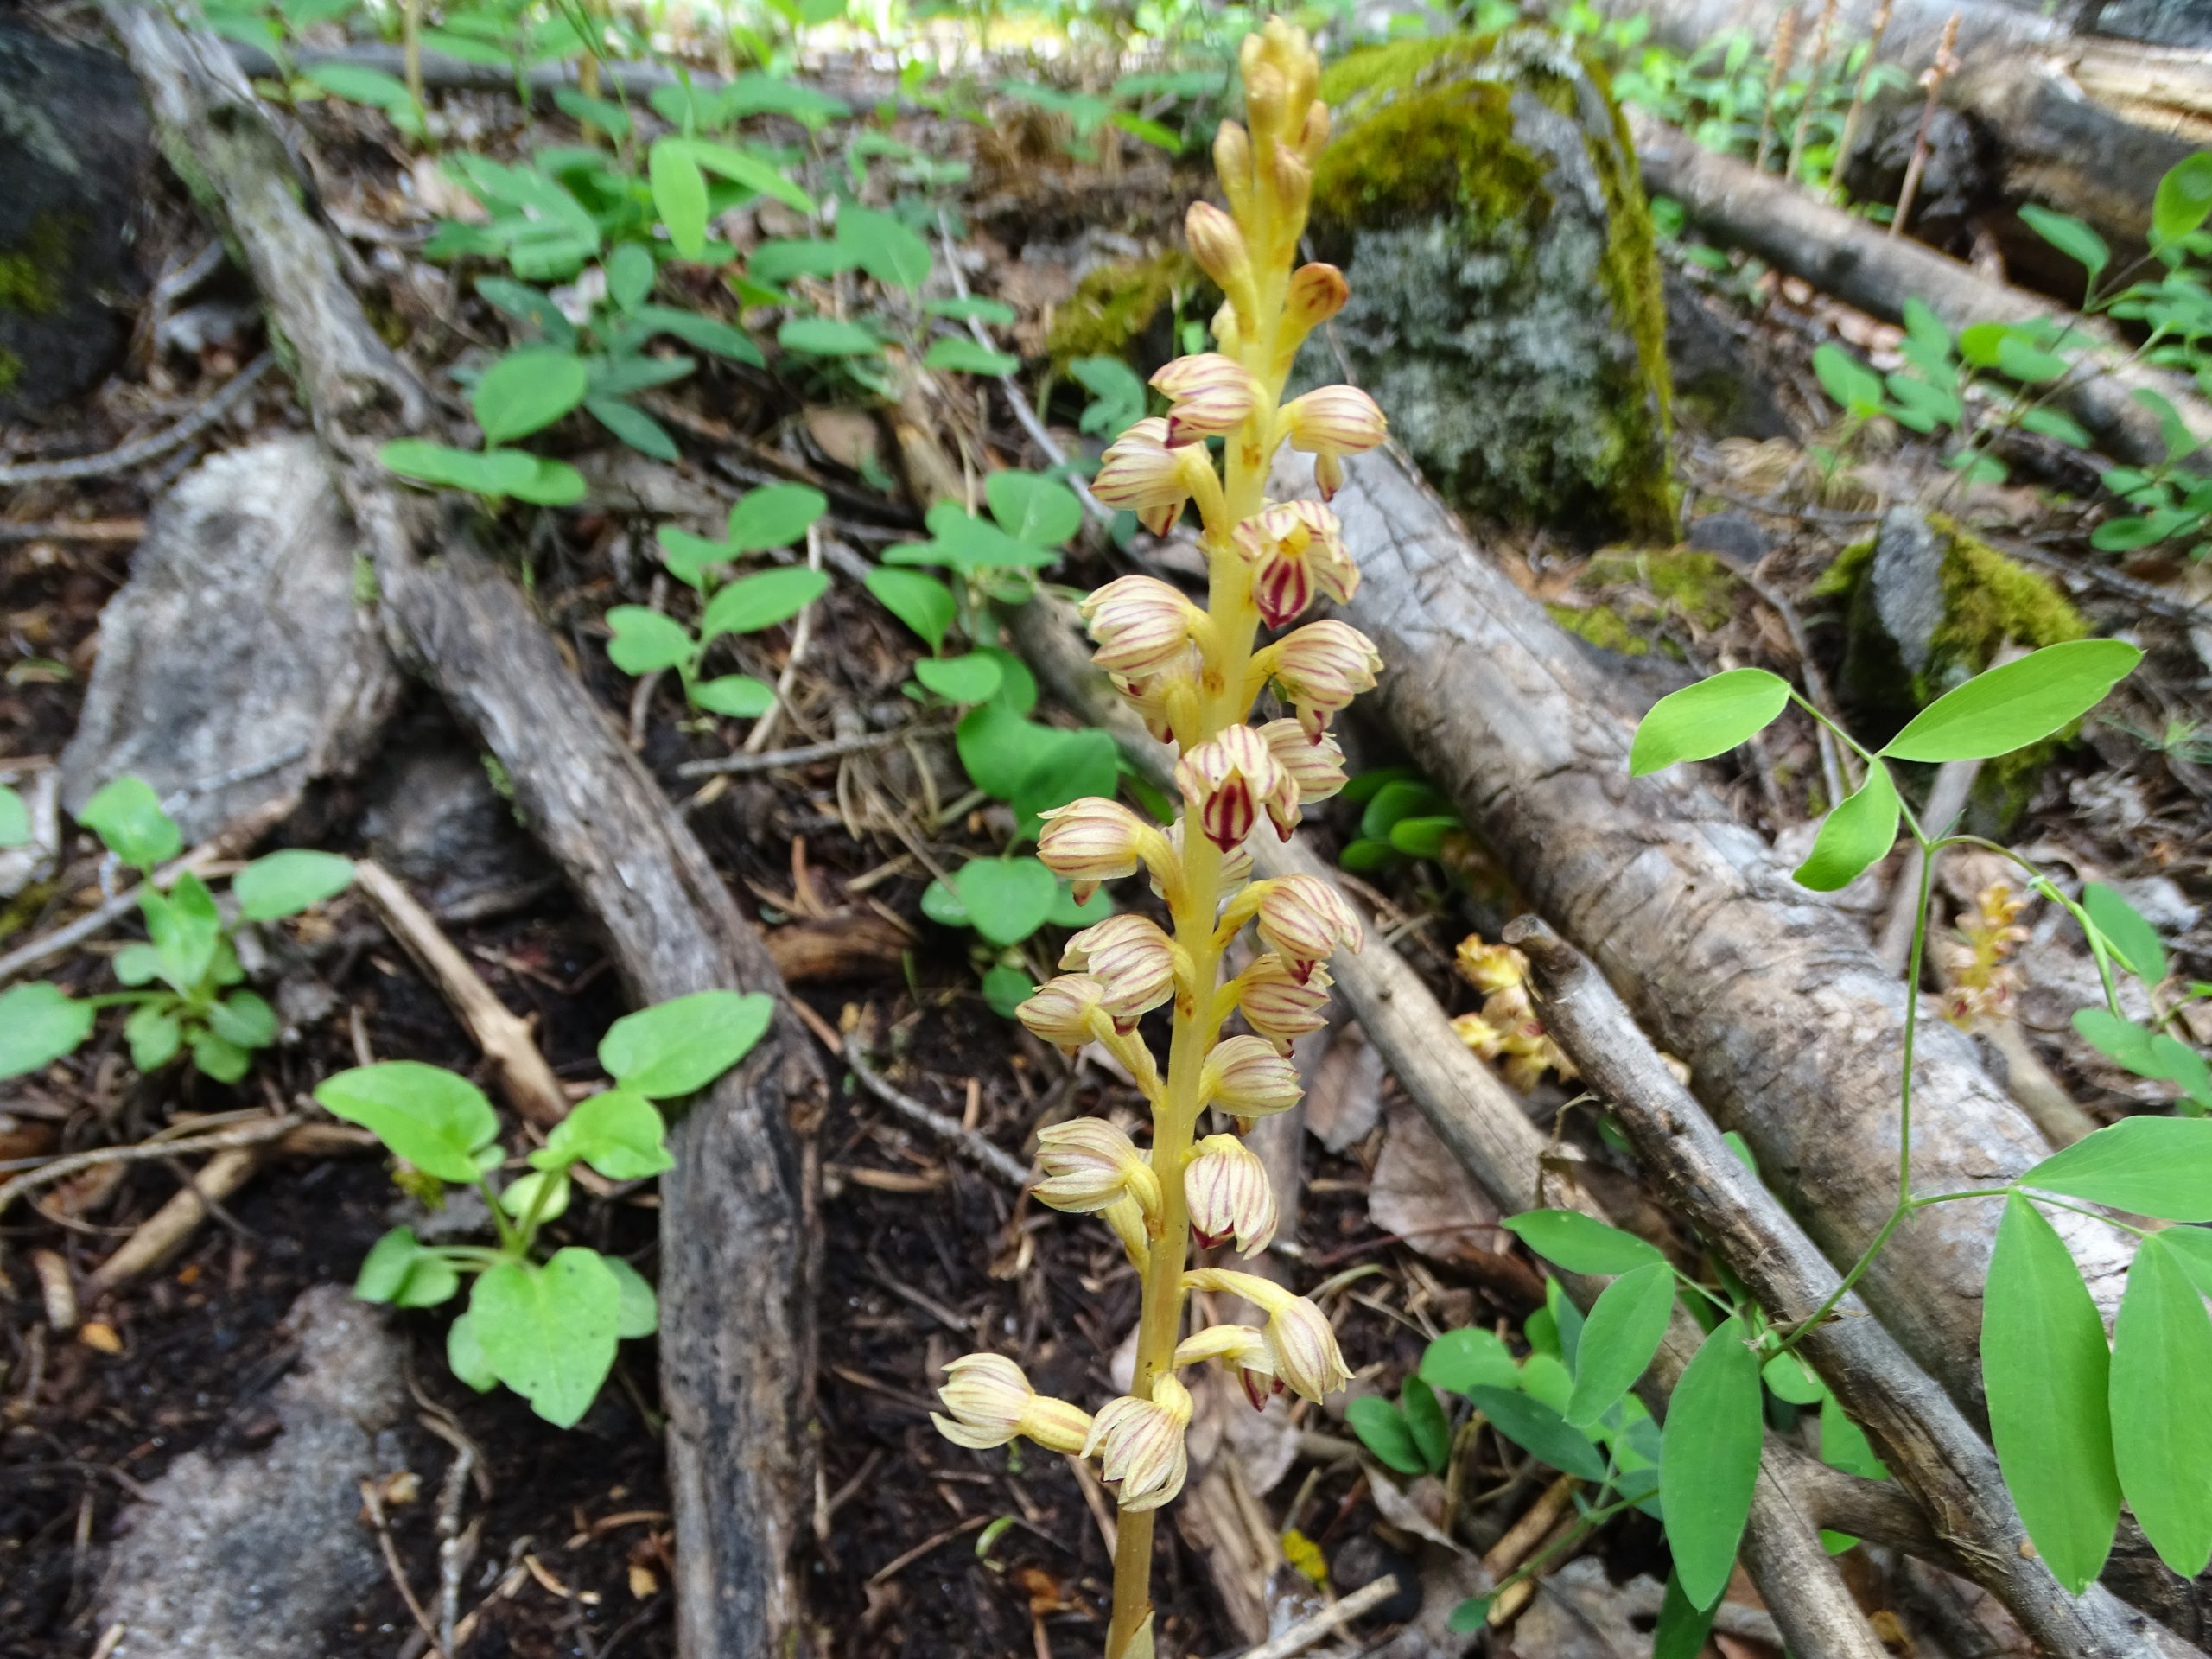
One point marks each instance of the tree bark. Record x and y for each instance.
(1853, 260)
(737, 1265)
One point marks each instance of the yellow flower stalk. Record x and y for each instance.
(1194, 673)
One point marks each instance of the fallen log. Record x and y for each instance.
(2086, 124)
(1486, 1128)
(1790, 1024)
(736, 1262)
(1852, 259)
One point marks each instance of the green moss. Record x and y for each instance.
(1987, 600)
(1472, 317)
(31, 275)
(1601, 626)
(1691, 583)
(11, 368)
(1114, 306)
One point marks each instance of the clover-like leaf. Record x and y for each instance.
(432, 1118)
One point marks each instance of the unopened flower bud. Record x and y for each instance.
(1313, 132)
(1301, 1348)
(1280, 1002)
(1140, 472)
(1242, 1349)
(1293, 187)
(1066, 1012)
(991, 1402)
(1293, 548)
(1317, 293)
(1132, 959)
(1225, 330)
(1265, 95)
(1321, 668)
(1166, 700)
(1088, 1164)
(1230, 781)
(1143, 1444)
(1315, 765)
(1478, 1034)
(1304, 920)
(1227, 1187)
(1331, 421)
(1217, 245)
(1125, 1216)
(1232, 163)
(1208, 394)
(1141, 624)
(1096, 840)
(1490, 968)
(1245, 1077)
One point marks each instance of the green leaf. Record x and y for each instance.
(526, 391)
(1423, 837)
(495, 472)
(2161, 1397)
(688, 558)
(708, 333)
(680, 1046)
(2045, 1369)
(646, 640)
(620, 1133)
(1040, 511)
(1709, 718)
(633, 427)
(2133, 939)
(941, 904)
(126, 815)
(137, 965)
(679, 192)
(1065, 912)
(638, 1314)
(1064, 767)
(2021, 702)
(1006, 988)
(1569, 1239)
(218, 1057)
(1006, 899)
(2069, 235)
(245, 1020)
(826, 337)
(2183, 199)
(435, 1121)
(737, 695)
(958, 354)
(1853, 835)
(1856, 388)
(358, 83)
(285, 883)
(464, 1356)
(2157, 1167)
(1709, 1460)
(155, 1034)
(630, 273)
(923, 603)
(776, 515)
(2147, 1053)
(14, 818)
(548, 1332)
(886, 249)
(2126, 535)
(2059, 425)
(1459, 1360)
(399, 1271)
(1432, 1430)
(609, 117)
(1469, 1615)
(742, 166)
(1625, 1328)
(520, 1194)
(185, 929)
(1683, 1628)
(1382, 1429)
(1539, 1431)
(2191, 1248)
(762, 601)
(997, 311)
(971, 678)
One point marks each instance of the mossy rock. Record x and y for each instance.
(1506, 309)
(1643, 596)
(1127, 309)
(1927, 606)
(74, 148)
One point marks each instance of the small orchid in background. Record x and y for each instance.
(1194, 672)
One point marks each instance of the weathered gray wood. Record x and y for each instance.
(1853, 260)
(737, 1273)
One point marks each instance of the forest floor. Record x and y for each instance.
(917, 1547)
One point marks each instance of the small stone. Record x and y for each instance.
(1365, 1559)
(1734, 536)
(1907, 578)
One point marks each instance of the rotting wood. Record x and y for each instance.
(1790, 1024)
(1852, 259)
(1485, 1127)
(1916, 1426)
(737, 1255)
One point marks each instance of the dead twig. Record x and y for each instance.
(504, 1036)
(1316, 1628)
(256, 1133)
(1932, 77)
(970, 1144)
(835, 748)
(801, 638)
(225, 399)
